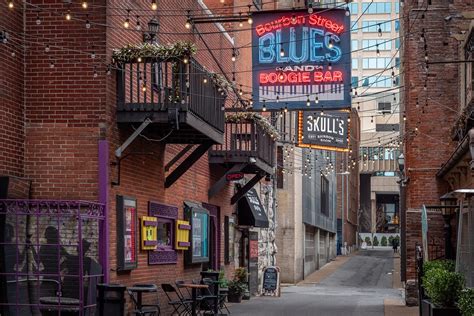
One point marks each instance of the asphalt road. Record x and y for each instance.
(358, 287)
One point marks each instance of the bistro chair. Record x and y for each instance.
(180, 304)
(144, 309)
(179, 286)
(207, 298)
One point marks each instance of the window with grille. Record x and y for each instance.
(384, 107)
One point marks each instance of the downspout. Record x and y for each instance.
(103, 199)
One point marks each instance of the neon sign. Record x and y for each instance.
(296, 56)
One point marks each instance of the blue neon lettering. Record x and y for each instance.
(316, 45)
(304, 46)
(266, 49)
(335, 49)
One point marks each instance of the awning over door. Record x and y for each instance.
(251, 211)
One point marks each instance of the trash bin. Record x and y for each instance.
(110, 299)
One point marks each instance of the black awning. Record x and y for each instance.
(251, 211)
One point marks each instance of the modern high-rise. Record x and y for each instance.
(375, 43)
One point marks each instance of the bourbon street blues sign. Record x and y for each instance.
(329, 131)
(296, 56)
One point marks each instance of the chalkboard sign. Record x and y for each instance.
(271, 281)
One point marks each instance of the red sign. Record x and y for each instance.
(234, 176)
(253, 245)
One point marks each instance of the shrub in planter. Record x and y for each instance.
(376, 241)
(390, 239)
(447, 265)
(466, 302)
(383, 242)
(443, 287)
(236, 291)
(367, 241)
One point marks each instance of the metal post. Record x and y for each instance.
(403, 242)
(448, 251)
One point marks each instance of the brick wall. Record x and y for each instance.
(11, 95)
(53, 112)
(426, 149)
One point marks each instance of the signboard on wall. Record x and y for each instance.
(328, 130)
(299, 57)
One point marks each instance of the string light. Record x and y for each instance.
(108, 71)
(316, 99)
(348, 12)
(233, 55)
(264, 107)
(185, 60)
(378, 51)
(204, 80)
(95, 72)
(330, 66)
(278, 99)
(68, 15)
(308, 102)
(282, 52)
(51, 64)
(139, 59)
(144, 86)
(188, 24)
(93, 55)
(310, 8)
(250, 20)
(84, 4)
(241, 24)
(88, 24)
(286, 109)
(46, 49)
(331, 42)
(293, 18)
(10, 4)
(126, 24)
(138, 27)
(154, 6)
(379, 30)
(38, 20)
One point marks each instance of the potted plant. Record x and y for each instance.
(238, 286)
(466, 302)
(236, 291)
(443, 288)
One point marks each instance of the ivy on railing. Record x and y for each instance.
(240, 117)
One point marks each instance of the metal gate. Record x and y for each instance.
(49, 256)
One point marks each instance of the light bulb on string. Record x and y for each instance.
(10, 4)
(68, 15)
(348, 12)
(154, 6)
(308, 102)
(204, 80)
(371, 119)
(51, 64)
(95, 72)
(286, 109)
(293, 18)
(233, 56)
(46, 49)
(379, 31)
(378, 51)
(310, 8)
(84, 4)
(185, 60)
(108, 71)
(330, 66)
(264, 107)
(93, 55)
(316, 99)
(38, 19)
(88, 23)
(144, 86)
(426, 56)
(250, 20)
(139, 59)
(138, 27)
(278, 99)
(422, 35)
(282, 52)
(331, 42)
(188, 24)
(126, 23)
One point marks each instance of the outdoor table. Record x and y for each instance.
(67, 305)
(194, 288)
(140, 289)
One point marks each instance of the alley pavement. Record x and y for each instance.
(360, 284)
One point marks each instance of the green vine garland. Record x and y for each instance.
(261, 121)
(174, 52)
(132, 52)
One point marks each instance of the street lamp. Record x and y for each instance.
(403, 217)
(448, 207)
(150, 36)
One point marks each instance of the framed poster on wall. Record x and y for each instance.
(127, 233)
(199, 219)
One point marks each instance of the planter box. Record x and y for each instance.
(232, 298)
(428, 309)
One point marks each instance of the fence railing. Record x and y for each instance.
(50, 256)
(246, 139)
(156, 86)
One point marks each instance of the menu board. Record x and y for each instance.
(127, 221)
(271, 281)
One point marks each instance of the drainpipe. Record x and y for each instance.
(103, 198)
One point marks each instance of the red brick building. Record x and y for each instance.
(431, 51)
(66, 108)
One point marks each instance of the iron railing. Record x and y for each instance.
(244, 140)
(153, 86)
(50, 256)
